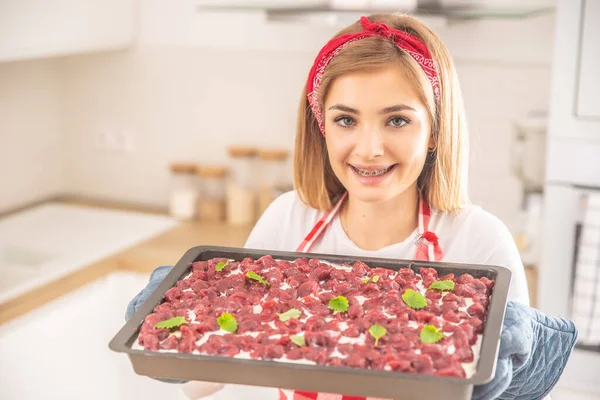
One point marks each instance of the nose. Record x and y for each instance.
(369, 144)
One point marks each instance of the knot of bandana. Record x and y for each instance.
(407, 42)
(378, 28)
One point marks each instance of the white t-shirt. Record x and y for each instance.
(471, 236)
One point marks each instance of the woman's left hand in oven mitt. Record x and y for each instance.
(534, 350)
(157, 276)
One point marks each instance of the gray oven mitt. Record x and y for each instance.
(534, 349)
(156, 278)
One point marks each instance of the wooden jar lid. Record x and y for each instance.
(242, 151)
(183, 168)
(212, 171)
(273, 154)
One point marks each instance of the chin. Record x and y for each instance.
(371, 195)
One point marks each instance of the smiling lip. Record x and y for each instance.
(371, 167)
(372, 180)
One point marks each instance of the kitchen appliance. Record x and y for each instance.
(528, 159)
(572, 174)
(351, 381)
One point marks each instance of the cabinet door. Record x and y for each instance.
(45, 28)
(575, 82)
(588, 104)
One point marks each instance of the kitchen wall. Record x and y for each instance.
(31, 133)
(179, 103)
(196, 84)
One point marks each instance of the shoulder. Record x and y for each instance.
(288, 206)
(284, 224)
(471, 223)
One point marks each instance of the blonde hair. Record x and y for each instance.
(443, 181)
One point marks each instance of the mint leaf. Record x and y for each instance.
(338, 304)
(365, 280)
(375, 278)
(291, 313)
(442, 285)
(170, 323)
(253, 275)
(430, 334)
(298, 340)
(413, 299)
(221, 265)
(227, 322)
(377, 331)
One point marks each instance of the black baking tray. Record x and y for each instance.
(317, 378)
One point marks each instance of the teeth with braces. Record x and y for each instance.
(372, 172)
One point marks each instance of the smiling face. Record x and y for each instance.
(377, 133)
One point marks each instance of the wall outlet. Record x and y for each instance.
(127, 141)
(120, 141)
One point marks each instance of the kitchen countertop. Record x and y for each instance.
(164, 249)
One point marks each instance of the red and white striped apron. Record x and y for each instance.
(428, 248)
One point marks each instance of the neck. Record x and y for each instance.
(373, 226)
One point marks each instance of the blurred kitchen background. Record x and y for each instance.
(132, 130)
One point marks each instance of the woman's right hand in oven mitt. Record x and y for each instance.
(193, 390)
(534, 350)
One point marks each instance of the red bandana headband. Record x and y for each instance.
(404, 40)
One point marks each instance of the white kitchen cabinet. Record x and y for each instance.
(588, 105)
(574, 109)
(31, 29)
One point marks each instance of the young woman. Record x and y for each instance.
(380, 164)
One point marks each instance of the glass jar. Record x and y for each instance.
(241, 192)
(273, 176)
(184, 191)
(211, 202)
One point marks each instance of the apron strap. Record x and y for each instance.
(320, 226)
(428, 244)
(428, 247)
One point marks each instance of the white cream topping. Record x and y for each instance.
(471, 368)
(205, 337)
(469, 303)
(359, 340)
(337, 354)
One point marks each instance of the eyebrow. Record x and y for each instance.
(387, 110)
